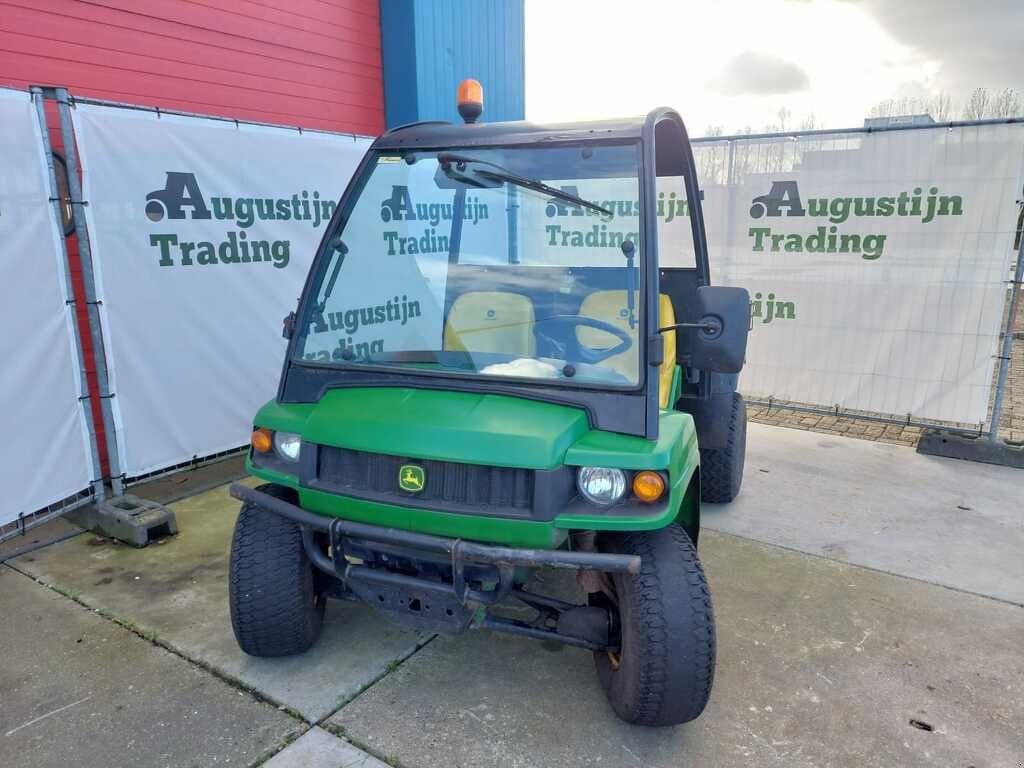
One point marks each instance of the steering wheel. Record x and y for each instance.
(589, 354)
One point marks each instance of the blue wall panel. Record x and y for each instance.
(430, 46)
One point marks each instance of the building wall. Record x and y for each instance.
(306, 62)
(430, 46)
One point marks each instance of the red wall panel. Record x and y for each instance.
(313, 63)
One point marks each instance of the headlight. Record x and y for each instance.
(601, 485)
(287, 445)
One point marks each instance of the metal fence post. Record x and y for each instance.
(89, 282)
(730, 185)
(1006, 351)
(37, 98)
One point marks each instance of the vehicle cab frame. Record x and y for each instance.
(664, 150)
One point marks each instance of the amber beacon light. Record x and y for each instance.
(470, 100)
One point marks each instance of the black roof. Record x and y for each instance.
(443, 134)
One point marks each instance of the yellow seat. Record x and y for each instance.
(610, 306)
(491, 321)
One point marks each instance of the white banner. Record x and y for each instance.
(45, 454)
(203, 232)
(876, 262)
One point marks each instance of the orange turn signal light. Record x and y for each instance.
(648, 486)
(262, 440)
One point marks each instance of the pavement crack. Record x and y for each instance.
(57, 711)
(391, 667)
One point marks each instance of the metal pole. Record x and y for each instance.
(89, 282)
(880, 129)
(730, 210)
(512, 212)
(37, 98)
(1007, 348)
(821, 410)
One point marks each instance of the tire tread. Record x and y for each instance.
(721, 469)
(673, 660)
(274, 608)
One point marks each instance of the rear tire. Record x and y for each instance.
(275, 609)
(721, 469)
(666, 666)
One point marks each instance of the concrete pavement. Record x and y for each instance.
(819, 664)
(77, 689)
(319, 749)
(821, 661)
(177, 592)
(946, 521)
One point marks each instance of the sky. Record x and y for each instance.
(736, 63)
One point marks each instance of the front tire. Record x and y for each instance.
(721, 469)
(275, 609)
(664, 670)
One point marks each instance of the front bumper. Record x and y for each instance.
(451, 604)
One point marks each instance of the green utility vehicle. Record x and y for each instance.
(505, 357)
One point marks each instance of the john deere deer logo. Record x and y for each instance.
(411, 478)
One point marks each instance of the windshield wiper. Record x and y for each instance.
(342, 250)
(497, 173)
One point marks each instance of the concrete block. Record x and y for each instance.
(937, 442)
(127, 518)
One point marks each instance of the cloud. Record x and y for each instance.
(976, 44)
(760, 74)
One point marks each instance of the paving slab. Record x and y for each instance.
(177, 591)
(43, 535)
(820, 664)
(946, 521)
(319, 749)
(189, 482)
(77, 689)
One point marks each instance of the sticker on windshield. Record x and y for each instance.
(388, 159)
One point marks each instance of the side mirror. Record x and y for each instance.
(288, 325)
(720, 343)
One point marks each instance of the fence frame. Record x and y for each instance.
(96, 491)
(996, 397)
(1006, 350)
(119, 479)
(89, 284)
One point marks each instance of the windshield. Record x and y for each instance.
(511, 262)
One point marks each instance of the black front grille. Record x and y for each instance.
(450, 486)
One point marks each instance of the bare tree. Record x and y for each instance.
(906, 105)
(809, 123)
(978, 105)
(1007, 103)
(712, 158)
(940, 107)
(891, 107)
(984, 105)
(784, 114)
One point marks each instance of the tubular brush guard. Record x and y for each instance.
(439, 605)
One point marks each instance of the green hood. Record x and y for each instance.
(434, 424)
